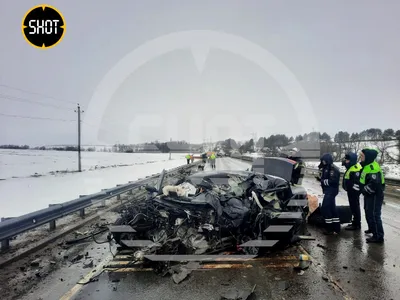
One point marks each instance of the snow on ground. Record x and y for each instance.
(254, 154)
(24, 195)
(24, 163)
(391, 171)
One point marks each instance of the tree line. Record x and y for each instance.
(61, 148)
(338, 144)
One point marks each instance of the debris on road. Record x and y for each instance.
(304, 263)
(35, 263)
(235, 294)
(77, 258)
(321, 246)
(88, 264)
(284, 285)
(179, 277)
(362, 269)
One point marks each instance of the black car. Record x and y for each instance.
(209, 212)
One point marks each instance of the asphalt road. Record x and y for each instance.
(343, 267)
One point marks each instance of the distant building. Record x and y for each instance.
(147, 148)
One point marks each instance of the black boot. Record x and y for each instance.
(375, 240)
(353, 227)
(368, 231)
(331, 233)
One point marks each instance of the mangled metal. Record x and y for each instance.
(212, 212)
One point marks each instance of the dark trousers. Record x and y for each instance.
(188, 161)
(329, 212)
(213, 163)
(354, 201)
(373, 210)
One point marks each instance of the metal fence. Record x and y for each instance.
(14, 226)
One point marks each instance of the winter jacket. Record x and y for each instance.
(330, 175)
(372, 180)
(351, 179)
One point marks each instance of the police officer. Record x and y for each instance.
(372, 186)
(351, 180)
(188, 158)
(330, 179)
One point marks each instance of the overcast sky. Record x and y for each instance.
(229, 69)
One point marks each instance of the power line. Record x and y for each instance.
(106, 130)
(35, 93)
(9, 97)
(35, 118)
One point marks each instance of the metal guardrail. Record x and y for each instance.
(14, 226)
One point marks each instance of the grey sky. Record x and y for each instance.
(344, 54)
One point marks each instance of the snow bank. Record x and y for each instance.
(390, 170)
(25, 195)
(24, 163)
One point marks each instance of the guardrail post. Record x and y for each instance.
(82, 211)
(52, 225)
(119, 195)
(5, 245)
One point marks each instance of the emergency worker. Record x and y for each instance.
(298, 168)
(351, 181)
(188, 158)
(330, 178)
(192, 158)
(372, 186)
(212, 160)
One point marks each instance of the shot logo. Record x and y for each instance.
(43, 26)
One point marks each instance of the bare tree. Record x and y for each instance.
(383, 147)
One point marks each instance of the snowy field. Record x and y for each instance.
(27, 194)
(25, 163)
(390, 170)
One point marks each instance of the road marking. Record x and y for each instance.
(346, 296)
(86, 279)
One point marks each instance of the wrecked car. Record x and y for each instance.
(246, 212)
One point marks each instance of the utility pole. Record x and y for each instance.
(79, 111)
(170, 149)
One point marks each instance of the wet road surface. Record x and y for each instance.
(344, 267)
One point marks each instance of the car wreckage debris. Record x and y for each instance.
(235, 294)
(207, 213)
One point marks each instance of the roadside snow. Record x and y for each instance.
(25, 163)
(391, 171)
(25, 195)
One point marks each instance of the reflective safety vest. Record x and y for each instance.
(188, 156)
(355, 168)
(372, 168)
(212, 156)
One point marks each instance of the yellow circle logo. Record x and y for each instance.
(43, 26)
